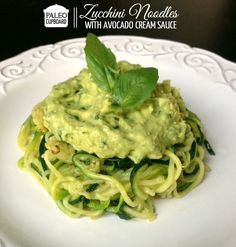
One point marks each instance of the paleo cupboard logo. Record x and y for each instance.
(56, 16)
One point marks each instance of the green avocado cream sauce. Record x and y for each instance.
(83, 115)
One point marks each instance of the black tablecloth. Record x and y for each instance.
(207, 24)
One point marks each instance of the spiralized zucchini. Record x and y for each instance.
(81, 184)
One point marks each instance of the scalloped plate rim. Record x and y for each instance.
(115, 36)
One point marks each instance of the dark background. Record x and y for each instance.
(207, 24)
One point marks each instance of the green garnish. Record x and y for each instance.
(129, 89)
(135, 86)
(101, 62)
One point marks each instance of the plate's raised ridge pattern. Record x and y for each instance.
(207, 63)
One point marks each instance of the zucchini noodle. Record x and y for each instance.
(84, 185)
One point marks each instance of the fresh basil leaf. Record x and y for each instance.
(133, 87)
(101, 62)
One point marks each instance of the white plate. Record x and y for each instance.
(205, 217)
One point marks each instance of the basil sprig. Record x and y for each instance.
(101, 62)
(129, 89)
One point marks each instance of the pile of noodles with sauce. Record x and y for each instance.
(94, 157)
